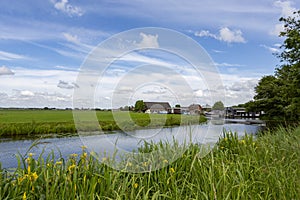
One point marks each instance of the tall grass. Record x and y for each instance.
(247, 168)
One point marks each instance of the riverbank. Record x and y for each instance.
(45, 122)
(263, 168)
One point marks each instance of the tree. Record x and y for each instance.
(218, 106)
(139, 106)
(177, 106)
(291, 45)
(279, 95)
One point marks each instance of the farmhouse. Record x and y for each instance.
(157, 107)
(195, 109)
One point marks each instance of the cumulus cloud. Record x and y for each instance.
(148, 41)
(206, 33)
(230, 36)
(5, 71)
(287, 9)
(66, 85)
(26, 93)
(225, 34)
(66, 7)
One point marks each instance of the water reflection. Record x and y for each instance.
(66, 145)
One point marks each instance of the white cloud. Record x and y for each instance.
(205, 33)
(155, 90)
(67, 8)
(10, 56)
(71, 38)
(277, 30)
(66, 85)
(75, 45)
(148, 41)
(286, 10)
(5, 71)
(27, 93)
(218, 51)
(230, 36)
(224, 64)
(273, 49)
(239, 89)
(225, 35)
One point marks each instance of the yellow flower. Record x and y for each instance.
(83, 147)
(172, 170)
(222, 147)
(129, 164)
(28, 160)
(145, 164)
(84, 155)
(58, 163)
(242, 141)
(166, 161)
(74, 155)
(226, 139)
(20, 179)
(30, 154)
(28, 169)
(71, 167)
(135, 185)
(24, 196)
(104, 159)
(34, 176)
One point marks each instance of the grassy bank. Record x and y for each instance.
(265, 168)
(31, 122)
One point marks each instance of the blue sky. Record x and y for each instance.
(44, 43)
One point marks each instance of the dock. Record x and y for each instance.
(245, 121)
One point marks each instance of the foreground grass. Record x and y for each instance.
(265, 168)
(32, 122)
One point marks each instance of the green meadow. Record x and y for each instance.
(31, 122)
(266, 167)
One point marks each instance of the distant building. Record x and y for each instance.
(240, 112)
(157, 107)
(195, 109)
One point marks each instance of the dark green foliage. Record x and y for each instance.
(279, 95)
(139, 106)
(218, 106)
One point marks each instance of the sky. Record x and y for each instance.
(45, 47)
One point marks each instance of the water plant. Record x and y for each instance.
(266, 167)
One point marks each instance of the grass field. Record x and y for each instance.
(262, 168)
(28, 122)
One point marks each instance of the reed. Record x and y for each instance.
(266, 167)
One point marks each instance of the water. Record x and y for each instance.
(201, 134)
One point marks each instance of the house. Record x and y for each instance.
(195, 109)
(157, 107)
(240, 112)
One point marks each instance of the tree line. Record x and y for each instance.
(278, 95)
